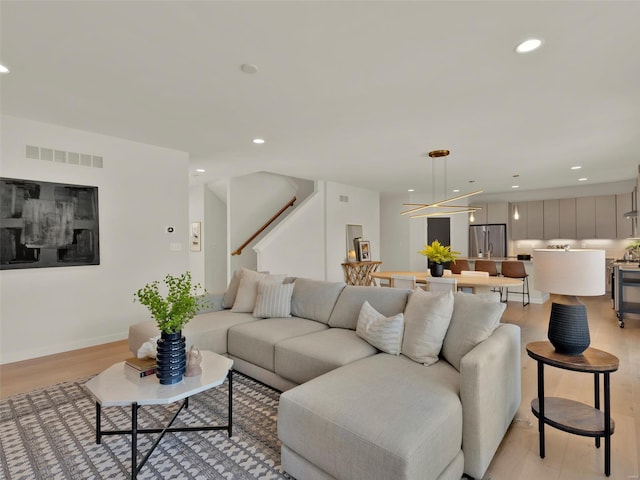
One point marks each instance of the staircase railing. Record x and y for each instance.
(238, 251)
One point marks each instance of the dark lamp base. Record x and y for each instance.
(568, 328)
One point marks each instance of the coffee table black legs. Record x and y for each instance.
(134, 431)
(541, 407)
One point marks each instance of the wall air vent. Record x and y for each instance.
(60, 156)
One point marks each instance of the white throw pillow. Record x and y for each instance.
(384, 333)
(274, 300)
(426, 319)
(474, 318)
(248, 289)
(232, 290)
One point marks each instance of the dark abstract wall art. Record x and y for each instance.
(44, 224)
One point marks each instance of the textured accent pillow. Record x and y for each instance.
(232, 290)
(384, 333)
(248, 289)
(274, 300)
(474, 318)
(426, 320)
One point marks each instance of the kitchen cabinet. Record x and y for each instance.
(489, 213)
(567, 214)
(586, 217)
(498, 212)
(535, 223)
(518, 226)
(479, 217)
(624, 204)
(551, 220)
(605, 213)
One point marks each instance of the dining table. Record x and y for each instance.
(477, 283)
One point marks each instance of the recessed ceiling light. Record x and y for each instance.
(515, 186)
(576, 167)
(583, 179)
(258, 140)
(411, 190)
(456, 190)
(529, 45)
(3, 69)
(249, 68)
(200, 170)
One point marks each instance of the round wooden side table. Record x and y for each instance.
(569, 415)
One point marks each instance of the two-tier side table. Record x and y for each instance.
(116, 386)
(569, 415)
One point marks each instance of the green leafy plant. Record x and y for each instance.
(173, 311)
(438, 253)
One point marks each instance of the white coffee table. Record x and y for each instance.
(117, 387)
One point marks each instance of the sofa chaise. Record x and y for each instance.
(377, 383)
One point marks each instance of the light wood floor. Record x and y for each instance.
(568, 457)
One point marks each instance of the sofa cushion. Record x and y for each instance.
(274, 300)
(248, 289)
(426, 318)
(314, 299)
(302, 358)
(232, 290)
(208, 331)
(382, 417)
(384, 333)
(256, 343)
(474, 318)
(387, 301)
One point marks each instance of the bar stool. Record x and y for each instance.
(490, 267)
(516, 270)
(459, 265)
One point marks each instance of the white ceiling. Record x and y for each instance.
(354, 92)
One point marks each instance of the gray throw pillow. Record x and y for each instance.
(426, 320)
(474, 318)
(384, 333)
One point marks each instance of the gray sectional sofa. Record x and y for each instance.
(350, 411)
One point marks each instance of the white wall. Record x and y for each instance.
(142, 189)
(402, 237)
(296, 247)
(362, 208)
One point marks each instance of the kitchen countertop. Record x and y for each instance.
(495, 259)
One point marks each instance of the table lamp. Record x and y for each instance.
(569, 273)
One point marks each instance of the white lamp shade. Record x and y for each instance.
(569, 272)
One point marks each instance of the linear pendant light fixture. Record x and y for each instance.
(441, 203)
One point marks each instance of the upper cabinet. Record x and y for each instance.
(489, 213)
(518, 221)
(551, 220)
(498, 212)
(606, 216)
(624, 204)
(586, 217)
(567, 214)
(479, 217)
(535, 221)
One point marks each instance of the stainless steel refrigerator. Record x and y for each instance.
(488, 239)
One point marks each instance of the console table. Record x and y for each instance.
(359, 273)
(569, 415)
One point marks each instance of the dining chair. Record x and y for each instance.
(490, 267)
(514, 269)
(442, 284)
(403, 281)
(473, 273)
(459, 266)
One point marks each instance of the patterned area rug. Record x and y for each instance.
(50, 434)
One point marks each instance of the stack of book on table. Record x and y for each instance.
(141, 366)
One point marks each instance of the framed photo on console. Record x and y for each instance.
(364, 251)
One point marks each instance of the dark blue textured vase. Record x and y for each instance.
(171, 358)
